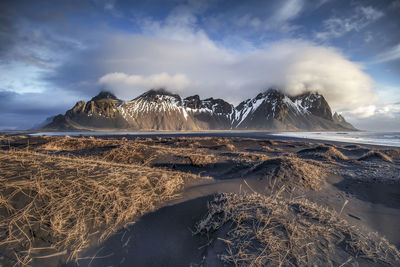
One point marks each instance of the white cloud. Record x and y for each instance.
(125, 85)
(277, 18)
(385, 117)
(338, 26)
(198, 65)
(370, 13)
(363, 111)
(176, 55)
(368, 37)
(289, 10)
(325, 70)
(389, 55)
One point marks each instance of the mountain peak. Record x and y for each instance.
(104, 95)
(157, 92)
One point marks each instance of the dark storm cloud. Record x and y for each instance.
(7, 30)
(28, 109)
(44, 32)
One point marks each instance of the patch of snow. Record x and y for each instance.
(249, 108)
(297, 105)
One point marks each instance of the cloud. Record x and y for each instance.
(391, 54)
(122, 83)
(382, 118)
(395, 4)
(289, 10)
(24, 110)
(191, 63)
(335, 27)
(279, 19)
(323, 69)
(177, 54)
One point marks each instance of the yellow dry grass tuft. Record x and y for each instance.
(292, 172)
(133, 153)
(65, 203)
(375, 155)
(68, 143)
(393, 153)
(328, 153)
(268, 148)
(272, 231)
(201, 160)
(230, 147)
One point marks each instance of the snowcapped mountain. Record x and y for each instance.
(277, 111)
(162, 110)
(157, 110)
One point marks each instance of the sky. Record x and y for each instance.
(54, 53)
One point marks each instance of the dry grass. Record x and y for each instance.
(292, 172)
(201, 160)
(268, 149)
(145, 154)
(68, 143)
(194, 144)
(328, 153)
(133, 153)
(272, 231)
(230, 147)
(251, 157)
(393, 153)
(64, 203)
(375, 155)
(270, 143)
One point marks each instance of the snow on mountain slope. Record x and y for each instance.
(162, 110)
(275, 110)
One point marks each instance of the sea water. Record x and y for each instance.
(372, 138)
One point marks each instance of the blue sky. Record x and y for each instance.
(53, 53)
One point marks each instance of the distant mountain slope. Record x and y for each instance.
(276, 111)
(100, 112)
(162, 110)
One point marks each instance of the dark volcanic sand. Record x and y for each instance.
(164, 237)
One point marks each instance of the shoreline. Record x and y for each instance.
(257, 134)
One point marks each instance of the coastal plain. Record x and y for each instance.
(171, 200)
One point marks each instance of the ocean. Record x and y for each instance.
(372, 138)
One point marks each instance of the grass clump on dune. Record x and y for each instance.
(375, 155)
(324, 152)
(68, 143)
(259, 230)
(200, 160)
(63, 204)
(131, 152)
(291, 172)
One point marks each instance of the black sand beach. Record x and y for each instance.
(358, 184)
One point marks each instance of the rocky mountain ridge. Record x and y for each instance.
(162, 110)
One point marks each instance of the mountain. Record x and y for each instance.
(277, 111)
(162, 110)
(157, 110)
(100, 112)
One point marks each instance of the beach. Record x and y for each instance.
(202, 199)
